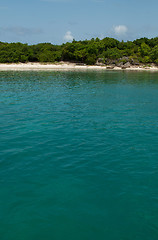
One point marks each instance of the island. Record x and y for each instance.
(107, 53)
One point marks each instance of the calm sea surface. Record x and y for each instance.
(78, 155)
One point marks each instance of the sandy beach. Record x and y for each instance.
(66, 67)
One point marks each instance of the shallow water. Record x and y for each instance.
(79, 155)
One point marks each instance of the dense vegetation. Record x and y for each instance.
(107, 50)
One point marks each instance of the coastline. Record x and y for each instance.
(67, 67)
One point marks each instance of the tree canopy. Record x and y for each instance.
(141, 50)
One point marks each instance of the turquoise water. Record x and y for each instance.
(78, 155)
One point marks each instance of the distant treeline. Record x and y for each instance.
(107, 50)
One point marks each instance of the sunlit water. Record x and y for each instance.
(78, 155)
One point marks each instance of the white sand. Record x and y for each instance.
(64, 66)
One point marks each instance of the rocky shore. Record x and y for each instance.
(124, 63)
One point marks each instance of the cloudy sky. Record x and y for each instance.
(58, 21)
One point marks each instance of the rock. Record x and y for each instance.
(127, 65)
(123, 67)
(110, 62)
(119, 64)
(100, 62)
(134, 62)
(109, 67)
(153, 65)
(124, 59)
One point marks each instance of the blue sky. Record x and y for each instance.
(58, 21)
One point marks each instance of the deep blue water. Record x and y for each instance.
(78, 155)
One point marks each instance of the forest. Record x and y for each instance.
(90, 52)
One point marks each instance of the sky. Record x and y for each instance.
(59, 21)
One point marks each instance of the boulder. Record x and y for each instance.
(134, 61)
(119, 64)
(127, 65)
(123, 67)
(100, 62)
(110, 67)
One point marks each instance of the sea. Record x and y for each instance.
(79, 155)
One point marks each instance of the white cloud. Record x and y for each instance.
(120, 30)
(68, 37)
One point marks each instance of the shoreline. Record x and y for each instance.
(67, 67)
